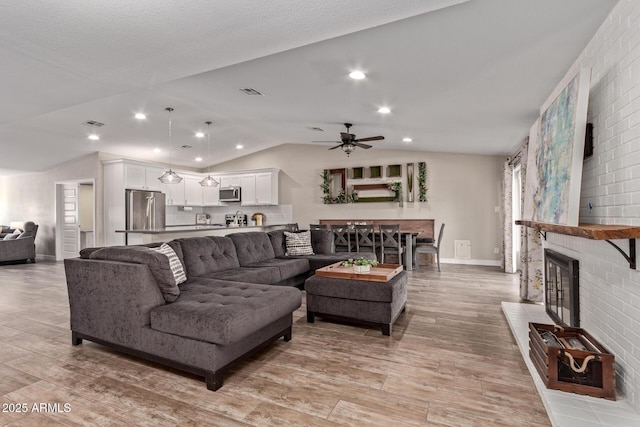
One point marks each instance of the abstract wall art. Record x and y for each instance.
(556, 147)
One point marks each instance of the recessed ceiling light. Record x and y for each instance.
(198, 159)
(140, 116)
(239, 147)
(384, 110)
(199, 135)
(357, 75)
(407, 140)
(156, 150)
(94, 137)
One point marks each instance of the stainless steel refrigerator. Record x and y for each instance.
(145, 210)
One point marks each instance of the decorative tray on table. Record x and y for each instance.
(381, 273)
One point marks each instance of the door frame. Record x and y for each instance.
(58, 219)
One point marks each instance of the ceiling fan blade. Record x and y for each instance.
(371, 138)
(365, 146)
(337, 142)
(337, 146)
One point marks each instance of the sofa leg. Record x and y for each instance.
(74, 339)
(213, 380)
(287, 335)
(311, 317)
(386, 329)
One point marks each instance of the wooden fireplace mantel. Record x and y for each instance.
(604, 232)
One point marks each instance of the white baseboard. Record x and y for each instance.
(485, 262)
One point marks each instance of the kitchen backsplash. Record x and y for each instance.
(281, 214)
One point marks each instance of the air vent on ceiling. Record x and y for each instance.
(187, 146)
(315, 129)
(93, 123)
(251, 91)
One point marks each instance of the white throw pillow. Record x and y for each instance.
(298, 243)
(174, 263)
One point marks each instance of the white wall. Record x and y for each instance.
(31, 197)
(609, 289)
(463, 191)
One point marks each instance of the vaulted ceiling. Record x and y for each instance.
(458, 76)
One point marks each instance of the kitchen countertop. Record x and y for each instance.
(199, 227)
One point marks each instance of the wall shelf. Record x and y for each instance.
(594, 232)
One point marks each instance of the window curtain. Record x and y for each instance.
(531, 277)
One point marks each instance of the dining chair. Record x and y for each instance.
(317, 227)
(341, 238)
(433, 249)
(292, 228)
(365, 238)
(391, 241)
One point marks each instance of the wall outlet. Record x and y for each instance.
(496, 250)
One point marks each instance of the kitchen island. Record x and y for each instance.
(137, 237)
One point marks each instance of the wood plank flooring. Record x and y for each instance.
(451, 361)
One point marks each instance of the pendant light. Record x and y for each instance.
(209, 181)
(170, 177)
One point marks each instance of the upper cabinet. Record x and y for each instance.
(140, 177)
(230, 181)
(260, 188)
(211, 195)
(192, 191)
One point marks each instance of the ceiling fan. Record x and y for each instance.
(348, 141)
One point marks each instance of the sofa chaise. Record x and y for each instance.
(239, 295)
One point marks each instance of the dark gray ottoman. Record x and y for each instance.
(378, 303)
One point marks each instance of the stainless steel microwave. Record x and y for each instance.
(230, 194)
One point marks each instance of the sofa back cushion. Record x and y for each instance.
(252, 247)
(157, 262)
(322, 241)
(204, 255)
(278, 242)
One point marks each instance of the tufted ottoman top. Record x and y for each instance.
(221, 312)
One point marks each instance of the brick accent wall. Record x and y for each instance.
(609, 289)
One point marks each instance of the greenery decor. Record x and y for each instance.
(326, 187)
(360, 261)
(396, 187)
(422, 182)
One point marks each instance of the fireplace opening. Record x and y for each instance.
(561, 289)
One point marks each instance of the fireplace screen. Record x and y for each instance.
(562, 300)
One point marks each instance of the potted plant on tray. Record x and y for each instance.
(360, 265)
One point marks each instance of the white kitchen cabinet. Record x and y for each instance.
(192, 191)
(211, 195)
(260, 188)
(174, 194)
(139, 177)
(230, 181)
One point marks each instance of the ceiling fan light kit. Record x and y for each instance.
(348, 141)
(170, 177)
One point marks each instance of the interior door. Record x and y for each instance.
(70, 221)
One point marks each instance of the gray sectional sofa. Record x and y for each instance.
(18, 246)
(240, 293)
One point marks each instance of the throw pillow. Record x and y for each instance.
(11, 236)
(174, 263)
(298, 243)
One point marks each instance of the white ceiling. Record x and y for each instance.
(459, 76)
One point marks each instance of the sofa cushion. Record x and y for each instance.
(158, 265)
(298, 243)
(252, 247)
(322, 260)
(174, 263)
(262, 275)
(204, 255)
(224, 313)
(288, 268)
(322, 241)
(277, 241)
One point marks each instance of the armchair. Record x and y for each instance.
(21, 247)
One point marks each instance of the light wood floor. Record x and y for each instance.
(451, 360)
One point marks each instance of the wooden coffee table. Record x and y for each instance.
(375, 298)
